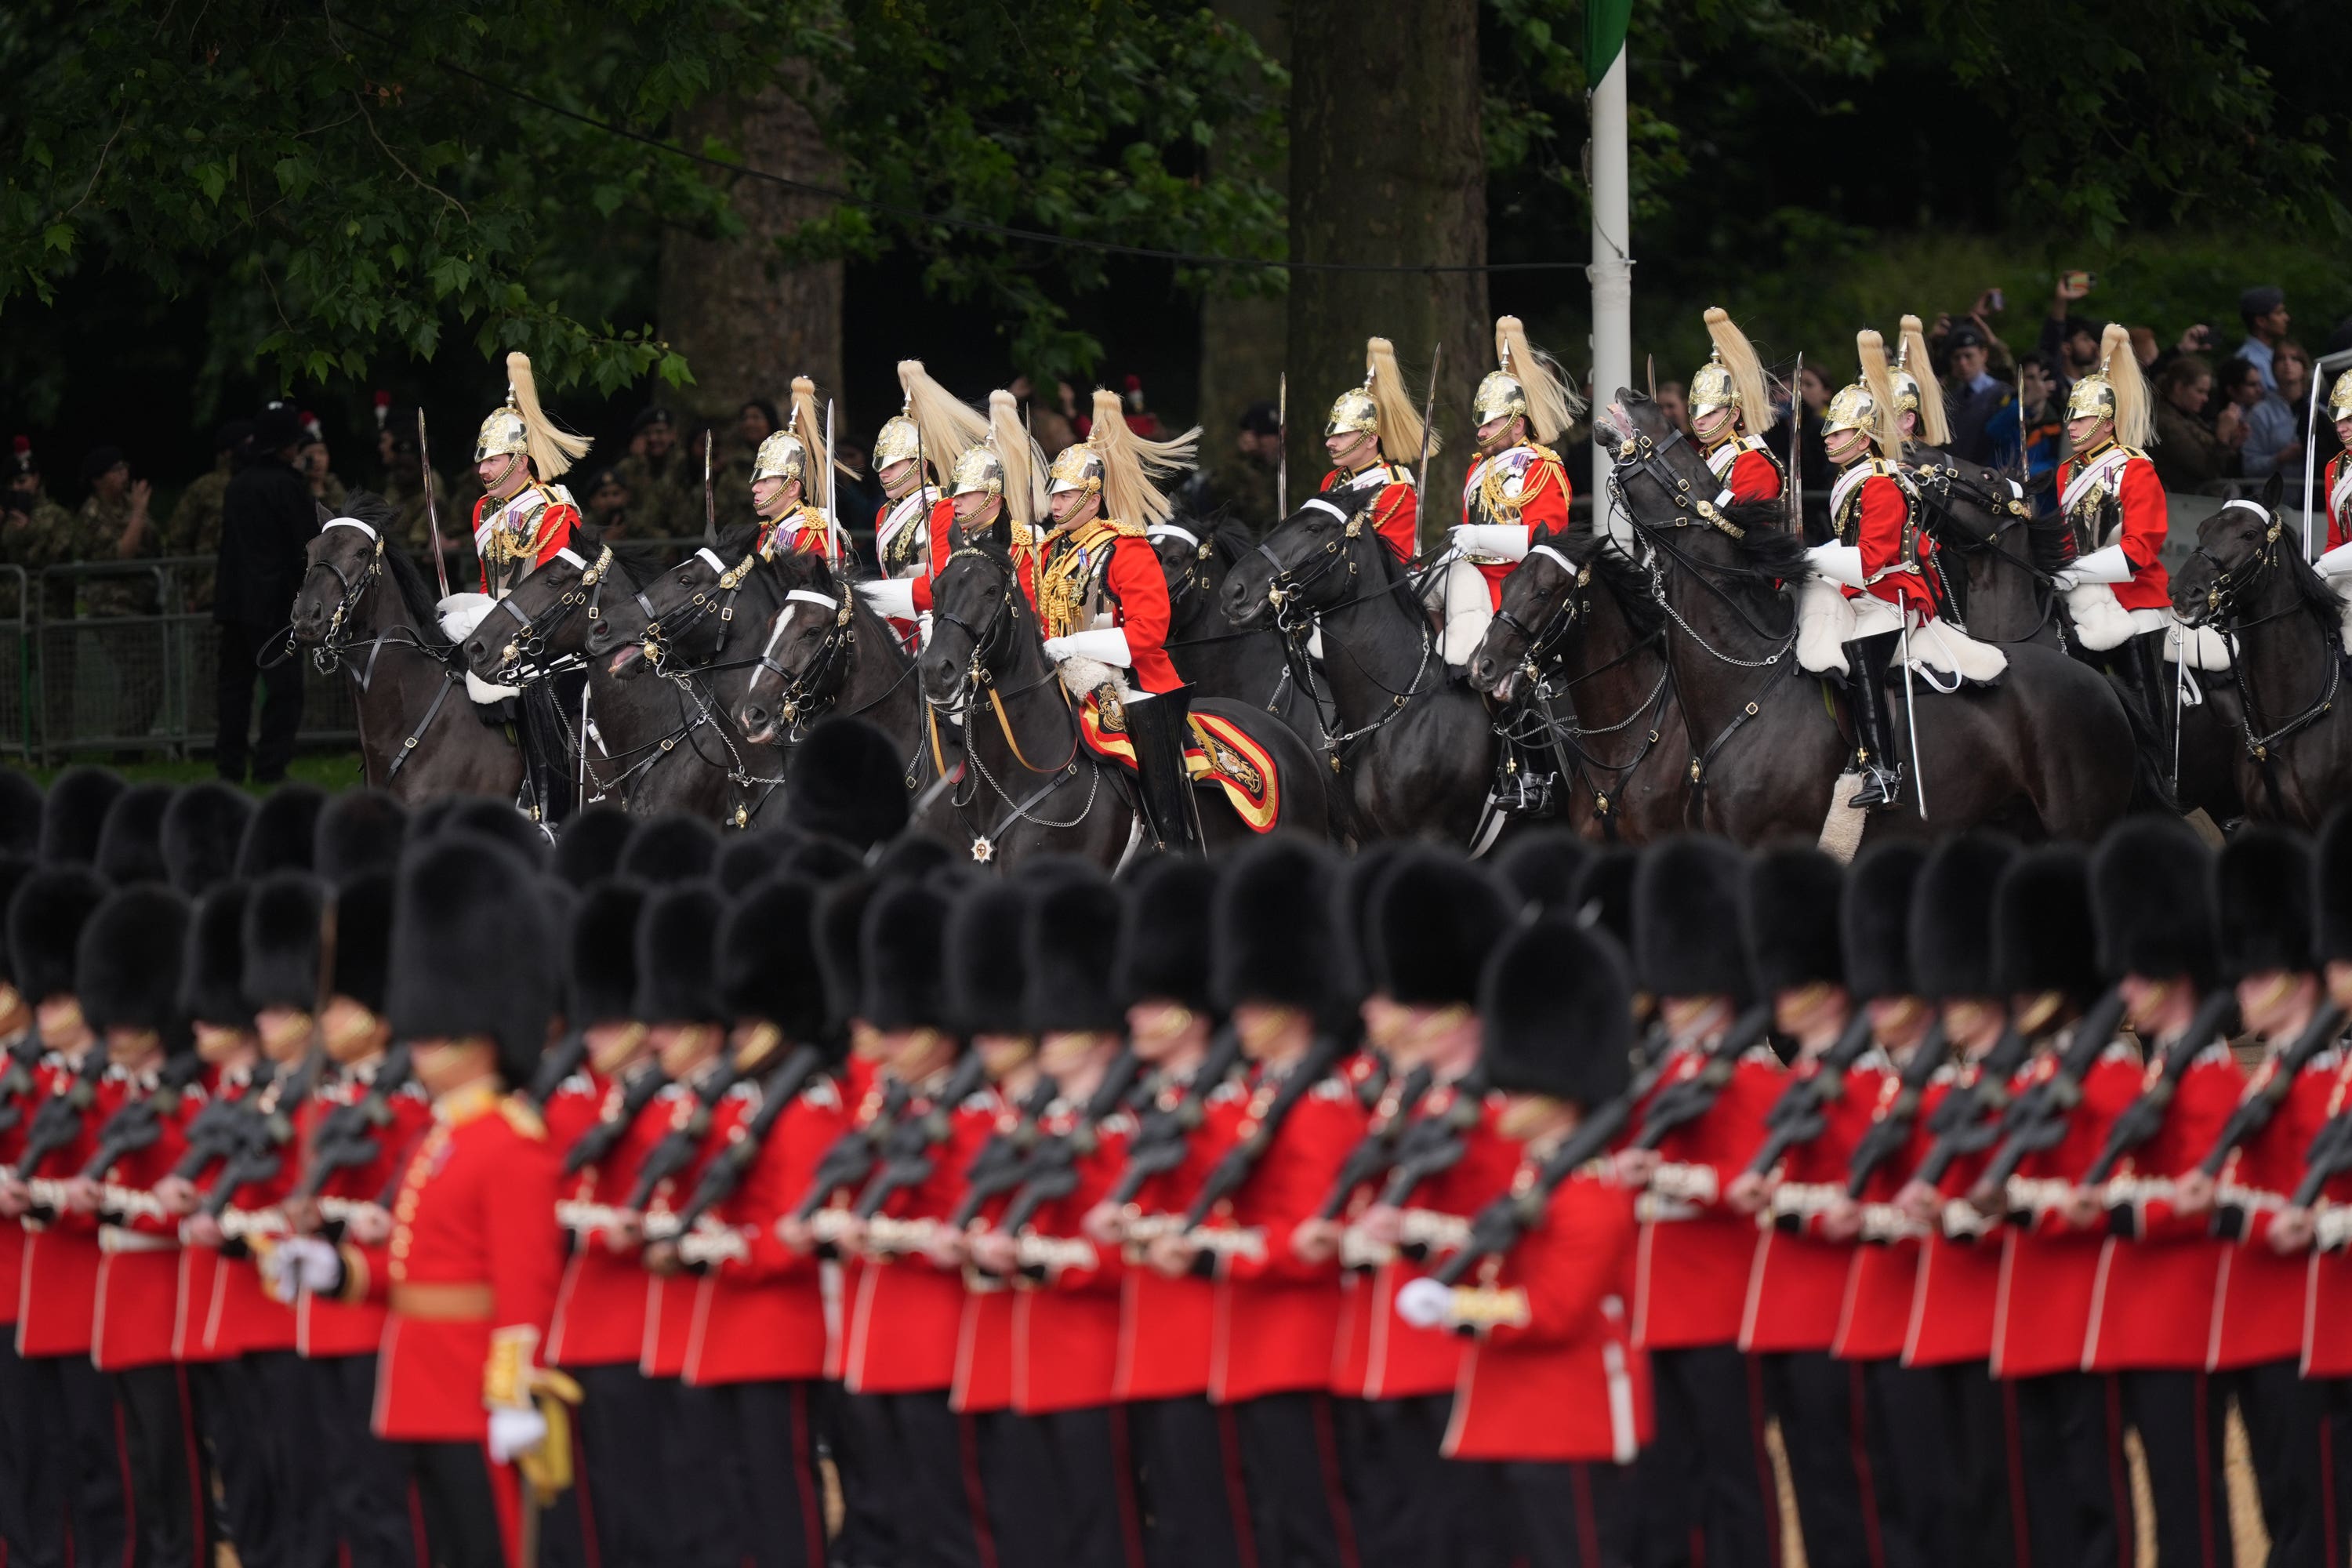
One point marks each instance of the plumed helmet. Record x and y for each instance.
(781, 456)
(978, 471)
(472, 952)
(678, 955)
(768, 963)
(1874, 922)
(1557, 1011)
(359, 831)
(988, 958)
(45, 920)
(591, 844)
(2263, 893)
(1790, 905)
(212, 977)
(1434, 919)
(283, 834)
(900, 941)
(600, 954)
(2042, 932)
(127, 963)
(130, 843)
(2339, 399)
(1163, 948)
(203, 828)
(75, 813)
(848, 780)
(2152, 894)
(284, 918)
(674, 848)
(1275, 938)
(1952, 916)
(1686, 935)
(1070, 942)
(20, 813)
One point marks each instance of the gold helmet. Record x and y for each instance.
(2116, 390)
(518, 426)
(895, 442)
(1852, 408)
(782, 456)
(980, 468)
(1525, 382)
(2339, 401)
(1353, 411)
(1911, 394)
(1121, 465)
(1868, 405)
(1076, 468)
(1499, 396)
(1732, 378)
(1381, 408)
(930, 424)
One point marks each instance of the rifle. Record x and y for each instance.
(217, 1130)
(557, 1066)
(18, 1078)
(1689, 1098)
(726, 1168)
(678, 1146)
(1433, 1145)
(1053, 1166)
(2036, 1120)
(267, 1132)
(1889, 1134)
(2260, 1103)
(1376, 1152)
(1227, 1176)
(1164, 1136)
(907, 1156)
(1003, 1161)
(597, 1143)
(347, 1135)
(847, 1163)
(2330, 1155)
(1968, 1118)
(2143, 1118)
(1802, 1114)
(138, 1124)
(56, 1123)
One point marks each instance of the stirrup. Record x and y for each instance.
(1881, 786)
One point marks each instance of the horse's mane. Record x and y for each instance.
(2049, 542)
(1223, 532)
(1627, 583)
(2312, 592)
(418, 597)
(737, 540)
(1766, 552)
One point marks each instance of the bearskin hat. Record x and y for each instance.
(1603, 894)
(591, 844)
(1070, 941)
(748, 858)
(127, 963)
(1789, 902)
(1952, 916)
(987, 958)
(1542, 868)
(1434, 919)
(826, 861)
(284, 918)
(20, 813)
(912, 857)
(900, 941)
(75, 813)
(2042, 932)
(840, 922)
(363, 938)
(472, 953)
(212, 977)
(1163, 946)
(2332, 867)
(1275, 933)
(600, 954)
(203, 828)
(14, 870)
(678, 955)
(359, 830)
(674, 848)
(848, 780)
(283, 833)
(768, 965)
(2152, 895)
(130, 843)
(1874, 920)
(44, 920)
(499, 822)
(2263, 893)
(1353, 877)
(1555, 1007)
(1686, 935)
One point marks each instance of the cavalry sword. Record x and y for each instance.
(1797, 448)
(432, 512)
(709, 503)
(1428, 412)
(1282, 447)
(831, 512)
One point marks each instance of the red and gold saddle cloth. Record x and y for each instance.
(1219, 751)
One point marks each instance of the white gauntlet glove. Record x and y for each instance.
(1506, 541)
(892, 597)
(1106, 645)
(2107, 565)
(1838, 562)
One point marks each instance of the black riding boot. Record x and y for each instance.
(2144, 655)
(1873, 727)
(1156, 726)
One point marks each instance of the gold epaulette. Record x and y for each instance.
(523, 1117)
(1487, 1306)
(1125, 529)
(1545, 454)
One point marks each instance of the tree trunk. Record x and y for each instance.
(1243, 337)
(746, 322)
(1387, 165)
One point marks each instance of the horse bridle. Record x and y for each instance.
(532, 631)
(717, 599)
(2223, 598)
(1537, 641)
(1286, 589)
(813, 685)
(984, 649)
(1194, 576)
(331, 650)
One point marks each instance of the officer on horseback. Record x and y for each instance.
(1103, 602)
(1920, 413)
(916, 446)
(1728, 408)
(1375, 436)
(998, 488)
(1876, 559)
(2335, 564)
(783, 483)
(1518, 490)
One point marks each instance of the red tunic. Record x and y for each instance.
(670, 1300)
(324, 1327)
(2259, 1316)
(1277, 1317)
(2328, 1290)
(1555, 1374)
(2049, 1267)
(803, 529)
(1796, 1283)
(212, 1286)
(600, 1310)
(1955, 1295)
(1137, 587)
(2340, 515)
(1691, 1266)
(1066, 1325)
(12, 1231)
(139, 1244)
(1876, 1315)
(759, 1311)
(58, 1307)
(1396, 509)
(550, 531)
(2140, 496)
(471, 1220)
(1751, 473)
(2167, 1262)
(1879, 517)
(1164, 1324)
(936, 546)
(1540, 502)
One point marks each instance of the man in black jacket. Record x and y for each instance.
(268, 520)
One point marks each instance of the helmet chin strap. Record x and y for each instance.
(505, 485)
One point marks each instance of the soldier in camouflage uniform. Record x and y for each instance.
(317, 464)
(194, 525)
(655, 473)
(1241, 486)
(37, 533)
(113, 526)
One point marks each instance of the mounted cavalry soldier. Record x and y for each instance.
(1103, 602)
(2335, 563)
(1517, 490)
(1918, 404)
(999, 489)
(1728, 409)
(785, 484)
(1374, 437)
(916, 447)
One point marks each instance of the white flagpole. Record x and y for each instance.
(1610, 270)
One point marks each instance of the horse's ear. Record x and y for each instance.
(2274, 488)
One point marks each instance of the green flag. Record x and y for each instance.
(1604, 37)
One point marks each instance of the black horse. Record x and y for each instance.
(545, 625)
(1034, 787)
(2249, 581)
(2046, 752)
(365, 608)
(1591, 662)
(1213, 656)
(1416, 750)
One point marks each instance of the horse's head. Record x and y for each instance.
(979, 617)
(1185, 546)
(2239, 550)
(1312, 560)
(344, 560)
(805, 640)
(549, 616)
(1539, 605)
(1664, 503)
(685, 616)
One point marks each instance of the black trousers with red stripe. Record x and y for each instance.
(2070, 1486)
(1189, 1471)
(1290, 1464)
(1411, 1504)
(367, 1485)
(1013, 1488)
(1818, 1402)
(612, 1518)
(927, 1470)
(1572, 1515)
(20, 1458)
(2181, 1418)
(465, 1519)
(165, 1465)
(855, 1435)
(776, 1494)
(76, 1503)
(1706, 1485)
(1093, 1475)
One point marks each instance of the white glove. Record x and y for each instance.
(1104, 645)
(306, 1263)
(2107, 565)
(1425, 1303)
(1838, 562)
(1506, 541)
(709, 1247)
(514, 1432)
(892, 597)
(2336, 563)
